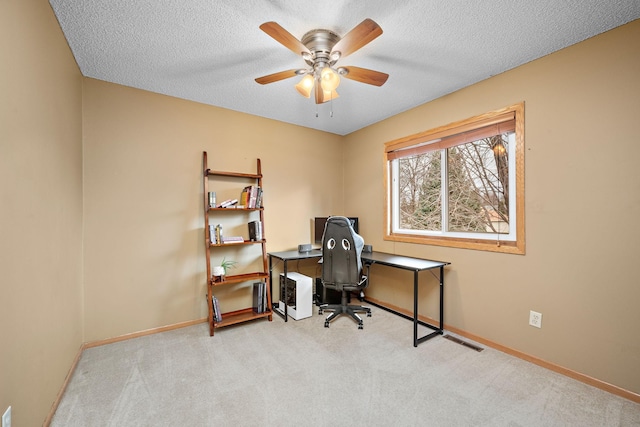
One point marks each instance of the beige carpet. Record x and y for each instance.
(302, 374)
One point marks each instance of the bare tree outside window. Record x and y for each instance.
(420, 194)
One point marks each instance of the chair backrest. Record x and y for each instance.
(341, 251)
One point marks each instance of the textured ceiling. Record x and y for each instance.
(210, 51)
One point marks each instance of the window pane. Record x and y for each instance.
(478, 178)
(420, 192)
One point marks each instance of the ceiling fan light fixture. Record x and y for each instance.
(305, 86)
(328, 95)
(329, 79)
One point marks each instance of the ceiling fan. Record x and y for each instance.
(321, 49)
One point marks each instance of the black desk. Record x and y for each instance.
(369, 259)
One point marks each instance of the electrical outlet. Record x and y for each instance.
(535, 319)
(6, 418)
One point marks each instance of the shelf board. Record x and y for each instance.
(246, 242)
(238, 278)
(233, 174)
(234, 209)
(239, 316)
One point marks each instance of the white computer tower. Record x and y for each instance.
(299, 295)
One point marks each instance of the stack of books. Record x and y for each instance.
(255, 231)
(233, 239)
(217, 314)
(228, 203)
(259, 297)
(215, 234)
(251, 197)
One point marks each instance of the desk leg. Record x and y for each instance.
(286, 296)
(415, 308)
(436, 330)
(441, 299)
(275, 304)
(271, 280)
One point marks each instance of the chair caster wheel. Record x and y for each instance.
(368, 314)
(320, 311)
(360, 326)
(326, 324)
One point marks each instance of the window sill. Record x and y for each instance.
(509, 247)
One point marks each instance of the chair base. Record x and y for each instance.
(339, 309)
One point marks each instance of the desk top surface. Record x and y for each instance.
(399, 261)
(289, 255)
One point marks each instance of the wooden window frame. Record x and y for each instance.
(447, 136)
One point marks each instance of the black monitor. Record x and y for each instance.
(319, 222)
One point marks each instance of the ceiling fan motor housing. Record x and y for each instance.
(320, 42)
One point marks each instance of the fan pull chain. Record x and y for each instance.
(331, 102)
(331, 108)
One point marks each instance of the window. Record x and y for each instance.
(461, 185)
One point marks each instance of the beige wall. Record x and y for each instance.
(143, 261)
(144, 237)
(40, 210)
(582, 206)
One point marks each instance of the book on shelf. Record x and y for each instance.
(259, 198)
(244, 196)
(212, 234)
(227, 203)
(217, 314)
(259, 297)
(255, 230)
(215, 234)
(233, 239)
(252, 197)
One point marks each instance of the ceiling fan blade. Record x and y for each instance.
(275, 77)
(359, 36)
(284, 37)
(319, 94)
(364, 75)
